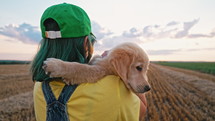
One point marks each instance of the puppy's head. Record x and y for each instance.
(131, 64)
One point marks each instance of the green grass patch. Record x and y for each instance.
(205, 67)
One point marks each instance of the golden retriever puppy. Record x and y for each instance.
(127, 60)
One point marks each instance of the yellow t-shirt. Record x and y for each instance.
(106, 100)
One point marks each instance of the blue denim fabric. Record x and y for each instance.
(56, 109)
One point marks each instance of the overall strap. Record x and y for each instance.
(66, 93)
(47, 91)
(64, 96)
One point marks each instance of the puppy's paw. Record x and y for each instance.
(53, 67)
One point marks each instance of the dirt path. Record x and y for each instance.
(178, 95)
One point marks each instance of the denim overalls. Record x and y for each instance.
(56, 108)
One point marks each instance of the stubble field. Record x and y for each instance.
(176, 95)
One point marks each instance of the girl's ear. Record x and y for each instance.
(86, 47)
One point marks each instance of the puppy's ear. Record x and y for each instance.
(122, 63)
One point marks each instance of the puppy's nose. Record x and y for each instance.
(147, 88)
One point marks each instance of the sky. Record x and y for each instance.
(168, 30)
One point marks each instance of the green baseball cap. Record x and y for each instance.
(72, 20)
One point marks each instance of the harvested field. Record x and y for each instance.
(16, 87)
(176, 95)
(180, 95)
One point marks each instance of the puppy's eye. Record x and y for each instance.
(139, 68)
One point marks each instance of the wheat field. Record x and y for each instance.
(176, 95)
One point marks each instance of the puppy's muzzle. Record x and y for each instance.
(143, 89)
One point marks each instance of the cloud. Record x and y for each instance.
(199, 35)
(162, 52)
(210, 35)
(187, 26)
(99, 31)
(25, 33)
(200, 49)
(172, 23)
(213, 33)
(173, 30)
(30, 34)
(173, 51)
(133, 32)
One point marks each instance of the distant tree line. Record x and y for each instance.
(2, 62)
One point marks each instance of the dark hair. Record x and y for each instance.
(66, 49)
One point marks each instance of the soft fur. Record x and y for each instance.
(126, 60)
